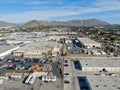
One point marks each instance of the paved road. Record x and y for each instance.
(56, 69)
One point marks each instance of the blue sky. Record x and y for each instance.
(18, 11)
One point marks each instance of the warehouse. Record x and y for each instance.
(103, 82)
(18, 52)
(38, 49)
(55, 38)
(6, 50)
(100, 65)
(33, 54)
(89, 43)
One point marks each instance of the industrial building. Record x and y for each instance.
(89, 43)
(7, 49)
(100, 65)
(56, 38)
(103, 82)
(34, 46)
(23, 37)
(92, 74)
(33, 54)
(38, 49)
(18, 52)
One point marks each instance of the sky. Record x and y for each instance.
(19, 11)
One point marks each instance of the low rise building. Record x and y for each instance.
(38, 49)
(89, 43)
(100, 65)
(7, 49)
(49, 78)
(56, 38)
(103, 82)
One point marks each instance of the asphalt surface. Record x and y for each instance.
(18, 64)
(75, 47)
(10, 65)
(56, 70)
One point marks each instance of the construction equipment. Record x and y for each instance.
(36, 68)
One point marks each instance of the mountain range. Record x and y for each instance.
(76, 23)
(4, 24)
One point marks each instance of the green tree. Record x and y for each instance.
(112, 49)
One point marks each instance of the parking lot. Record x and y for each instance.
(19, 64)
(75, 47)
(23, 65)
(77, 43)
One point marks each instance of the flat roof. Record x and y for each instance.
(4, 48)
(104, 82)
(100, 63)
(85, 40)
(40, 45)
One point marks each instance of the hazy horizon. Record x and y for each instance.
(21, 11)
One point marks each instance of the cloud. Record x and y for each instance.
(40, 15)
(98, 6)
(41, 11)
(45, 2)
(108, 4)
(33, 2)
(110, 16)
(38, 2)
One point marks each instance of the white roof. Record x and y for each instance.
(104, 82)
(4, 48)
(87, 41)
(100, 63)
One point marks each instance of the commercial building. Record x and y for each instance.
(38, 49)
(33, 54)
(18, 52)
(95, 73)
(89, 43)
(100, 65)
(56, 38)
(23, 37)
(35, 44)
(97, 82)
(7, 49)
(103, 82)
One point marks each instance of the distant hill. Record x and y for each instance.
(77, 23)
(4, 24)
